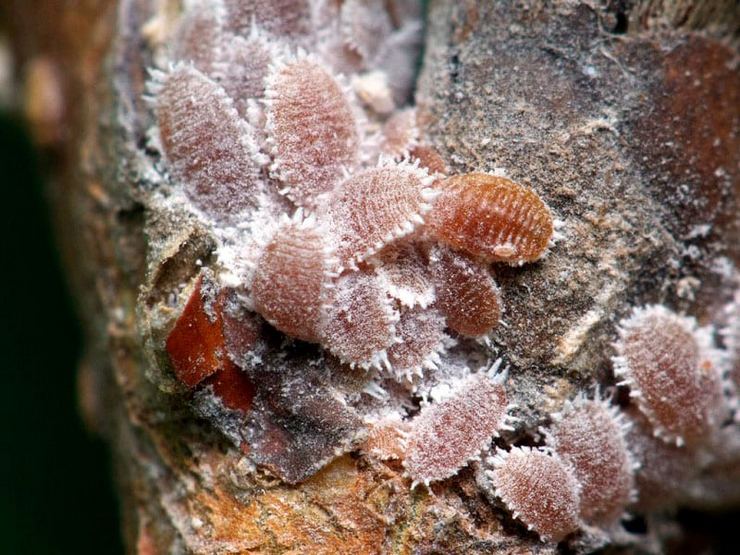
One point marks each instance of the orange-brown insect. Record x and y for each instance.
(466, 292)
(491, 217)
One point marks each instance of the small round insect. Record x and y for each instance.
(446, 435)
(210, 150)
(589, 435)
(312, 129)
(492, 218)
(670, 367)
(539, 489)
(358, 321)
(466, 293)
(421, 340)
(375, 207)
(291, 278)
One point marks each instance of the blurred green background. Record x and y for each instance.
(56, 490)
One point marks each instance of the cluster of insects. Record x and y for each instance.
(352, 280)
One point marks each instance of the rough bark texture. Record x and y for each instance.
(623, 116)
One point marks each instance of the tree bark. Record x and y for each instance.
(622, 115)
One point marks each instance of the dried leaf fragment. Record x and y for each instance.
(196, 344)
(491, 217)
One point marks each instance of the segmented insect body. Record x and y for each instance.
(466, 293)
(289, 19)
(421, 339)
(242, 69)
(358, 321)
(668, 364)
(210, 150)
(386, 439)
(446, 435)
(491, 217)
(406, 276)
(377, 206)
(589, 435)
(198, 38)
(291, 276)
(430, 159)
(400, 134)
(312, 129)
(539, 489)
(664, 469)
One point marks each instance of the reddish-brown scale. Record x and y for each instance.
(209, 149)
(446, 435)
(491, 217)
(466, 292)
(665, 360)
(197, 39)
(400, 133)
(421, 335)
(589, 436)
(539, 489)
(664, 469)
(358, 321)
(290, 279)
(282, 18)
(430, 159)
(242, 68)
(311, 129)
(406, 275)
(196, 344)
(377, 206)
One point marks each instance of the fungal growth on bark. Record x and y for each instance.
(329, 268)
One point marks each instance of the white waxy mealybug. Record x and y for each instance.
(446, 435)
